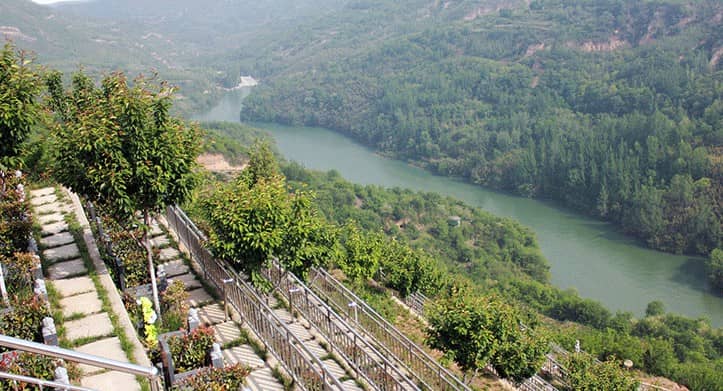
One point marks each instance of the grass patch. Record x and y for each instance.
(286, 381)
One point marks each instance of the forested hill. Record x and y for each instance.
(613, 107)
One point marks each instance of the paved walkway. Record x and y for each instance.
(87, 327)
(211, 313)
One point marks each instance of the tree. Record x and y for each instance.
(715, 268)
(363, 252)
(255, 217)
(118, 146)
(474, 331)
(584, 373)
(19, 86)
(655, 308)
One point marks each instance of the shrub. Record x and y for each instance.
(15, 221)
(25, 320)
(190, 351)
(585, 374)
(19, 277)
(215, 379)
(26, 364)
(174, 306)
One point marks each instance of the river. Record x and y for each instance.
(585, 254)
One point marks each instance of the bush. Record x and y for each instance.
(25, 320)
(190, 351)
(15, 220)
(174, 306)
(26, 364)
(215, 379)
(585, 374)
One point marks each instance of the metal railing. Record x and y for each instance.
(40, 383)
(150, 373)
(391, 341)
(305, 368)
(361, 355)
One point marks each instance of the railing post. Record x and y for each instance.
(226, 282)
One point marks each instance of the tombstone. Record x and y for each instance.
(162, 278)
(577, 346)
(40, 289)
(216, 356)
(50, 335)
(61, 376)
(193, 320)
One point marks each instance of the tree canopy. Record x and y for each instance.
(20, 85)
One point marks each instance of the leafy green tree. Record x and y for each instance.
(118, 146)
(255, 217)
(475, 331)
(715, 268)
(19, 87)
(655, 308)
(363, 252)
(584, 373)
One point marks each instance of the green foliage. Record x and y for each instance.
(118, 145)
(528, 104)
(19, 87)
(15, 217)
(585, 374)
(190, 351)
(708, 376)
(215, 379)
(19, 273)
(232, 140)
(174, 305)
(715, 268)
(655, 308)
(25, 319)
(363, 252)
(26, 364)
(149, 320)
(255, 217)
(475, 331)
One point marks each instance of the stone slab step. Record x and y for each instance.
(283, 315)
(91, 326)
(86, 304)
(226, 332)
(50, 218)
(42, 200)
(74, 286)
(42, 192)
(211, 314)
(107, 348)
(351, 385)
(169, 253)
(62, 253)
(53, 207)
(111, 381)
(334, 368)
(67, 269)
(198, 298)
(243, 354)
(189, 281)
(175, 268)
(317, 350)
(160, 241)
(300, 331)
(263, 380)
(56, 240)
(54, 228)
(155, 229)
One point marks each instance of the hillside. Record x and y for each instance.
(609, 107)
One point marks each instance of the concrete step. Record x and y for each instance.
(91, 326)
(243, 354)
(43, 200)
(62, 253)
(175, 268)
(226, 332)
(74, 286)
(111, 381)
(54, 228)
(211, 314)
(86, 304)
(67, 269)
(107, 348)
(50, 218)
(263, 380)
(189, 281)
(46, 191)
(198, 298)
(57, 240)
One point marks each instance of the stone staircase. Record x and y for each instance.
(211, 313)
(88, 328)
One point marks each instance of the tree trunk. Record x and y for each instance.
(151, 267)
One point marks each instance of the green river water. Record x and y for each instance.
(585, 254)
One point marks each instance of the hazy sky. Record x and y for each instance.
(49, 1)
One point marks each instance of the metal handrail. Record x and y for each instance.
(366, 359)
(43, 383)
(306, 369)
(390, 339)
(150, 373)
